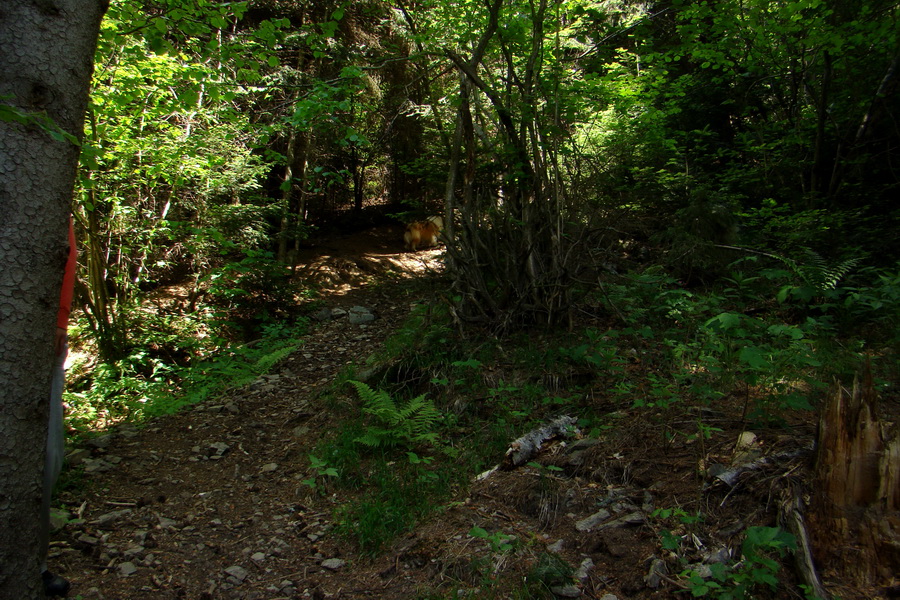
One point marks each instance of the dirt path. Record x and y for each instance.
(209, 503)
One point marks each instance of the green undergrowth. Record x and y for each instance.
(148, 383)
(439, 408)
(436, 408)
(391, 481)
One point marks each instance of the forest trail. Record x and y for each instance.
(169, 508)
(210, 503)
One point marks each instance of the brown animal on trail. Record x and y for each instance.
(422, 233)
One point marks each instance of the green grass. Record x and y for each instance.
(397, 496)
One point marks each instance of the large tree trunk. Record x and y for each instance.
(46, 59)
(855, 521)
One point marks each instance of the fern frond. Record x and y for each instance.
(376, 402)
(377, 437)
(413, 406)
(817, 273)
(411, 423)
(425, 416)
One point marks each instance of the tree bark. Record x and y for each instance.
(46, 60)
(855, 522)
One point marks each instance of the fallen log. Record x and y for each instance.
(791, 518)
(525, 448)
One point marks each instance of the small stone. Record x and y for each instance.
(87, 539)
(592, 521)
(566, 591)
(333, 564)
(323, 314)
(110, 517)
(587, 565)
(653, 578)
(360, 314)
(167, 523)
(218, 448)
(129, 432)
(97, 465)
(238, 572)
(269, 467)
(127, 568)
(556, 547)
(258, 556)
(102, 441)
(718, 556)
(703, 571)
(609, 597)
(745, 441)
(633, 518)
(76, 457)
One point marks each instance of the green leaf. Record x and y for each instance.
(754, 357)
(471, 363)
(725, 321)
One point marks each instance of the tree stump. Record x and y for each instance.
(855, 517)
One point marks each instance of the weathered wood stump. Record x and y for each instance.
(855, 516)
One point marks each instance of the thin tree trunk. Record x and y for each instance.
(358, 169)
(818, 166)
(287, 198)
(301, 159)
(46, 60)
(450, 204)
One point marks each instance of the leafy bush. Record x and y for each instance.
(756, 567)
(149, 382)
(254, 290)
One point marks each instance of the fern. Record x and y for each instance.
(817, 273)
(408, 425)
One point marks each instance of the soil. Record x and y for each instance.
(210, 502)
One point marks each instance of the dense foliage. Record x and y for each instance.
(716, 180)
(566, 143)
